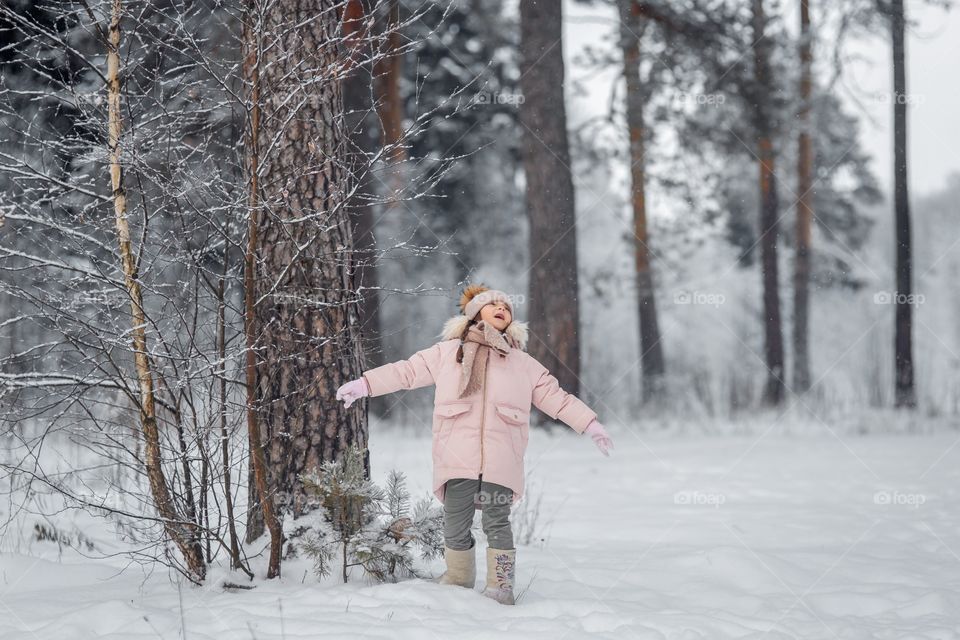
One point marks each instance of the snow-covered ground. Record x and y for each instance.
(732, 537)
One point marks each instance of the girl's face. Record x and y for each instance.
(496, 314)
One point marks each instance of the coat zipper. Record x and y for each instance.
(483, 410)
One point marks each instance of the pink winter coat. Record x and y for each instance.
(486, 432)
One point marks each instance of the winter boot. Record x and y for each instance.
(500, 573)
(461, 567)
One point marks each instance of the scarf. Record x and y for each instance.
(481, 338)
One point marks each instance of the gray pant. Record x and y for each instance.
(459, 506)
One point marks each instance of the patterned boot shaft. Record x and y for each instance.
(501, 568)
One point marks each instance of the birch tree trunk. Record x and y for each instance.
(181, 530)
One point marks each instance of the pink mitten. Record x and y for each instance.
(353, 390)
(600, 437)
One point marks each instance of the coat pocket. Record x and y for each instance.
(452, 409)
(445, 415)
(511, 414)
(517, 422)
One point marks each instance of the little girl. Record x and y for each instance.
(485, 382)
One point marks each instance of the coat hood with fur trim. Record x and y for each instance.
(454, 327)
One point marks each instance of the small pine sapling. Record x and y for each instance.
(366, 525)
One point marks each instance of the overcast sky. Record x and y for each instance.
(933, 58)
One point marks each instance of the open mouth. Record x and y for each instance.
(499, 316)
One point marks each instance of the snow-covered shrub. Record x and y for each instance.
(362, 524)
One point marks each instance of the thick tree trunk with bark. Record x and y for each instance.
(181, 530)
(905, 395)
(769, 237)
(306, 318)
(651, 350)
(553, 310)
(801, 276)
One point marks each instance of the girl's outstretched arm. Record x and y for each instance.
(419, 370)
(557, 403)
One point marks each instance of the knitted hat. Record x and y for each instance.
(476, 296)
(473, 298)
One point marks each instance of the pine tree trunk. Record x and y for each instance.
(553, 310)
(181, 530)
(905, 395)
(389, 74)
(773, 331)
(801, 279)
(306, 318)
(261, 511)
(651, 350)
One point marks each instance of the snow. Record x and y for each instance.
(759, 536)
